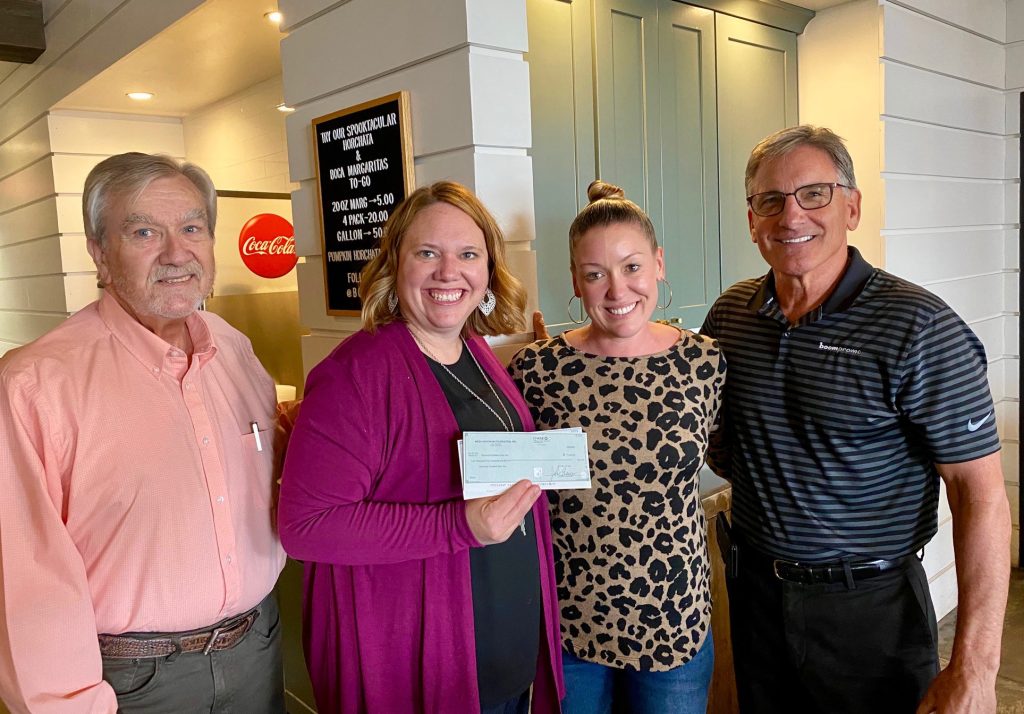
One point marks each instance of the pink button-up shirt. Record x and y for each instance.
(134, 496)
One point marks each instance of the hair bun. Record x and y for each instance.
(599, 189)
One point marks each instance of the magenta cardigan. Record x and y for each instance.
(371, 501)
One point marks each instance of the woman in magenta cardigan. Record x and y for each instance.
(416, 600)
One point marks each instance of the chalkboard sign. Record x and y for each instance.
(364, 169)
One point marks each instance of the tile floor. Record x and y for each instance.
(1010, 685)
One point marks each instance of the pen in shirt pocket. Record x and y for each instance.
(256, 433)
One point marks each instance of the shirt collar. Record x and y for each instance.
(155, 354)
(855, 277)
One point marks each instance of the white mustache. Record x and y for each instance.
(170, 272)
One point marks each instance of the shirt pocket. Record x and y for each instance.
(258, 450)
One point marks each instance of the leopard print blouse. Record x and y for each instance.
(631, 553)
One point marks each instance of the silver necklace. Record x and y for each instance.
(507, 426)
(504, 425)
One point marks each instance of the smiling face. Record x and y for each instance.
(156, 256)
(800, 243)
(615, 274)
(442, 272)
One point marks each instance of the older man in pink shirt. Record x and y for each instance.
(137, 551)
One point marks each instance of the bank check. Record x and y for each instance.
(494, 460)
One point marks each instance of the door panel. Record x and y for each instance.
(626, 55)
(689, 136)
(757, 94)
(553, 96)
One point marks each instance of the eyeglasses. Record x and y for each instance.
(815, 195)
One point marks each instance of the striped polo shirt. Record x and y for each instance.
(832, 426)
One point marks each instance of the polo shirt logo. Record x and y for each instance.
(975, 425)
(837, 348)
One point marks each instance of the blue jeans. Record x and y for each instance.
(594, 688)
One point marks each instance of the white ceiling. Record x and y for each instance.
(221, 48)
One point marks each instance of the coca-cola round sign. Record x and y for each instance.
(267, 245)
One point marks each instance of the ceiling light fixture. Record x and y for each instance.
(274, 17)
(282, 107)
(140, 96)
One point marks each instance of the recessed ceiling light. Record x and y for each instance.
(274, 17)
(140, 96)
(282, 107)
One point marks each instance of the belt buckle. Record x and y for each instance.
(213, 639)
(775, 568)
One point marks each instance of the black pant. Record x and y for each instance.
(246, 678)
(829, 649)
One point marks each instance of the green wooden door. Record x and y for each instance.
(627, 88)
(666, 100)
(561, 105)
(656, 134)
(689, 140)
(757, 94)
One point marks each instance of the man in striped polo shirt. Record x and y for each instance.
(850, 393)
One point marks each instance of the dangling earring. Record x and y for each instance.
(392, 301)
(488, 303)
(667, 304)
(568, 309)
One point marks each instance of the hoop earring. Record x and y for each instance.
(669, 303)
(583, 316)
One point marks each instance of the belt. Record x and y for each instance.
(737, 555)
(835, 572)
(224, 636)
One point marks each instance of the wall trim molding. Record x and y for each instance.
(782, 15)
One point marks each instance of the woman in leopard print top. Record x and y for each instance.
(631, 553)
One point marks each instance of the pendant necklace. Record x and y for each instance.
(507, 426)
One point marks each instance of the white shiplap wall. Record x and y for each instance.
(1014, 84)
(83, 37)
(462, 63)
(31, 287)
(941, 178)
(951, 178)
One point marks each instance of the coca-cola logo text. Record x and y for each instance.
(281, 245)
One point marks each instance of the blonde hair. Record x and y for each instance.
(608, 206)
(379, 277)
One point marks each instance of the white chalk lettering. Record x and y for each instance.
(381, 122)
(368, 167)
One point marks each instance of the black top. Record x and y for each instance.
(505, 576)
(833, 426)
